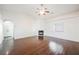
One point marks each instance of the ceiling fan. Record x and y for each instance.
(43, 10)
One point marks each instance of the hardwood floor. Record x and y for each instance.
(44, 46)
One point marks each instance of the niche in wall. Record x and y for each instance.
(59, 27)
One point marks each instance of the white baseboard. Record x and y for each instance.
(75, 40)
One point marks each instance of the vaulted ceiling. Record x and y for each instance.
(30, 9)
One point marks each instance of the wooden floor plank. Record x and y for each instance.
(35, 46)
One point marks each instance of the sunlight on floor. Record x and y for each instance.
(56, 48)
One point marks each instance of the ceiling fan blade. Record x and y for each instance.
(47, 11)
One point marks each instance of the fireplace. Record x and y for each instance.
(40, 34)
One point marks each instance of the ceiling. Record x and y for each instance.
(29, 9)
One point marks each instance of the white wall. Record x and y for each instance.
(1, 32)
(71, 27)
(39, 24)
(22, 23)
(25, 26)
